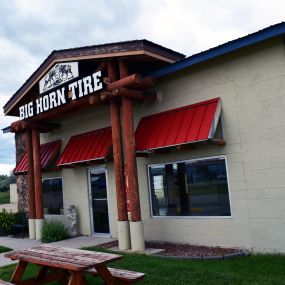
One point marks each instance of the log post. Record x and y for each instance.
(30, 180)
(136, 225)
(38, 183)
(123, 223)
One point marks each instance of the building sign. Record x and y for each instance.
(59, 74)
(63, 94)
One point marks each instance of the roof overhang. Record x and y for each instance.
(129, 49)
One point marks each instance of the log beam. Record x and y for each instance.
(136, 224)
(117, 148)
(42, 127)
(22, 126)
(146, 82)
(37, 174)
(30, 176)
(127, 81)
(134, 94)
(130, 151)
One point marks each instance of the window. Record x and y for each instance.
(190, 188)
(52, 196)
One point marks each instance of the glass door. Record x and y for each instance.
(99, 201)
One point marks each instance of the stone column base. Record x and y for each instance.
(32, 229)
(137, 236)
(39, 227)
(124, 238)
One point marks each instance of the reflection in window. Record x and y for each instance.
(52, 196)
(190, 188)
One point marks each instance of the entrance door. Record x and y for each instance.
(99, 201)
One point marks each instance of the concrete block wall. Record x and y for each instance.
(252, 89)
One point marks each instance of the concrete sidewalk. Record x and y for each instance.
(78, 242)
(12, 207)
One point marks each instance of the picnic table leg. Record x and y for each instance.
(18, 272)
(64, 278)
(77, 278)
(41, 273)
(105, 274)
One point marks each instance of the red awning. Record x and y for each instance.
(49, 153)
(193, 123)
(89, 146)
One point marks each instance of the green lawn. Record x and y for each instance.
(4, 197)
(4, 249)
(258, 269)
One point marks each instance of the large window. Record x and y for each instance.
(52, 196)
(190, 188)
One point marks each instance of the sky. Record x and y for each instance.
(31, 29)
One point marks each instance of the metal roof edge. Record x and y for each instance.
(228, 47)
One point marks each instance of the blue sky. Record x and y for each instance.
(31, 29)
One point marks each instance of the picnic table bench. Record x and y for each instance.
(67, 266)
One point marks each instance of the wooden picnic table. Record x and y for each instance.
(62, 264)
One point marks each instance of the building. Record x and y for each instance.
(149, 145)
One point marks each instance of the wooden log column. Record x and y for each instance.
(38, 183)
(123, 223)
(136, 225)
(30, 180)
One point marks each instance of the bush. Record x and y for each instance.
(54, 231)
(7, 219)
(5, 249)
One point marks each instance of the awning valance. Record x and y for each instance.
(85, 147)
(189, 124)
(49, 153)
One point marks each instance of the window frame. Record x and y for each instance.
(55, 177)
(189, 217)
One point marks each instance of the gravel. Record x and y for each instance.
(186, 250)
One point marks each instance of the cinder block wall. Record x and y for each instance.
(252, 88)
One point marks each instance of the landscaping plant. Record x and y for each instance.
(7, 219)
(54, 230)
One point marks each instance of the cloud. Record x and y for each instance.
(6, 169)
(192, 26)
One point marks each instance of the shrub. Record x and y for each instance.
(7, 219)
(5, 249)
(54, 231)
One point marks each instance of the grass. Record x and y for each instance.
(5, 249)
(253, 270)
(4, 197)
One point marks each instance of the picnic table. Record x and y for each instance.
(67, 266)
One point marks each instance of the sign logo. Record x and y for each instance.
(59, 74)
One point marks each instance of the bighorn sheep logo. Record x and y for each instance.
(58, 75)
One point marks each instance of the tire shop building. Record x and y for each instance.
(149, 145)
